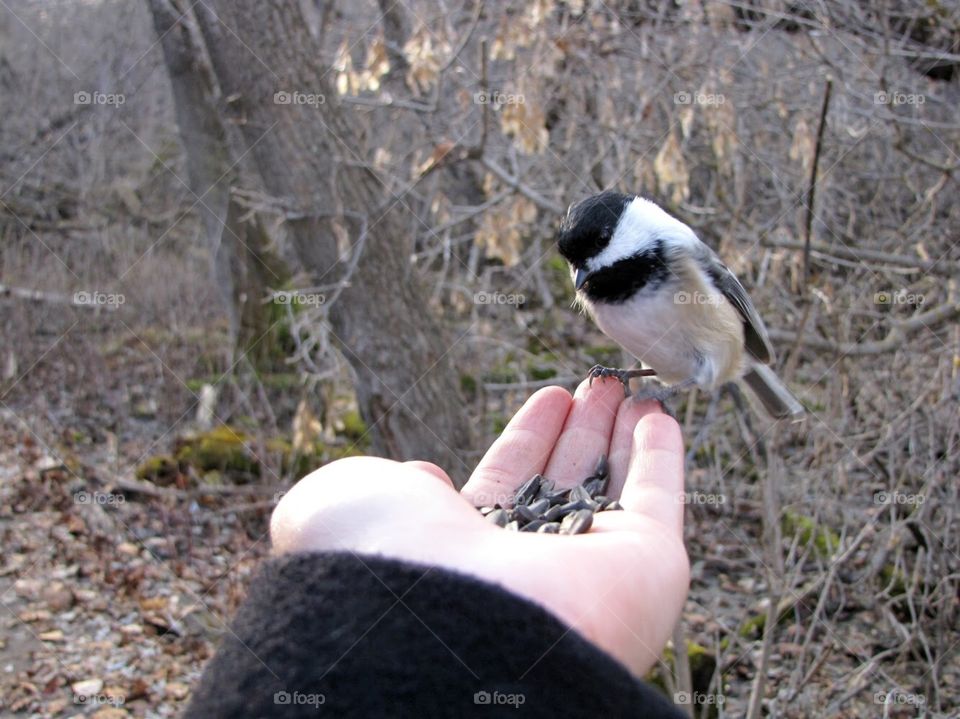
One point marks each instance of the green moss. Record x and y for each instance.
(703, 665)
(539, 372)
(227, 454)
(894, 581)
(499, 423)
(558, 265)
(222, 448)
(335, 453)
(280, 380)
(752, 628)
(500, 375)
(353, 427)
(468, 385)
(558, 277)
(161, 469)
(824, 540)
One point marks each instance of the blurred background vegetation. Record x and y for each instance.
(241, 239)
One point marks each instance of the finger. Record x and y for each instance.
(654, 486)
(521, 450)
(586, 434)
(430, 468)
(621, 444)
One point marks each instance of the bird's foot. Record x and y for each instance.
(622, 375)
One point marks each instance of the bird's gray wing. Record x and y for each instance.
(754, 332)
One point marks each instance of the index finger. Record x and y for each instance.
(654, 484)
(586, 433)
(521, 450)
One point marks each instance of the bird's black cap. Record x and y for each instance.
(589, 225)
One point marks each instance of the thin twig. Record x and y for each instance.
(891, 343)
(812, 186)
(862, 255)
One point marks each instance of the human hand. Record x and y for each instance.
(621, 585)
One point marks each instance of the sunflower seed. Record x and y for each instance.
(533, 526)
(577, 523)
(554, 513)
(613, 506)
(558, 496)
(498, 517)
(485, 510)
(595, 486)
(525, 513)
(549, 528)
(513, 526)
(579, 493)
(546, 487)
(603, 467)
(528, 490)
(539, 506)
(571, 507)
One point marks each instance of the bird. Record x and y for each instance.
(651, 285)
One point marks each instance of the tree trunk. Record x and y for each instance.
(309, 157)
(243, 268)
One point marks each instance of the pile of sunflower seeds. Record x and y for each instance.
(539, 506)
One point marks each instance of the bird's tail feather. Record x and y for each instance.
(772, 393)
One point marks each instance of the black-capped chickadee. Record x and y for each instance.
(653, 287)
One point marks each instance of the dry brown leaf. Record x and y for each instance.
(525, 123)
(306, 428)
(377, 64)
(501, 232)
(343, 67)
(440, 151)
(803, 145)
(424, 57)
(721, 119)
(671, 170)
(538, 11)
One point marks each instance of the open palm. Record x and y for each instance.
(622, 585)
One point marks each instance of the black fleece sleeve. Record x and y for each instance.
(338, 635)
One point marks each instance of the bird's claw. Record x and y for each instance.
(601, 372)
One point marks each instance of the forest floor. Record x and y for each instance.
(116, 588)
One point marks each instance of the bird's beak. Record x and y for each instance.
(580, 279)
